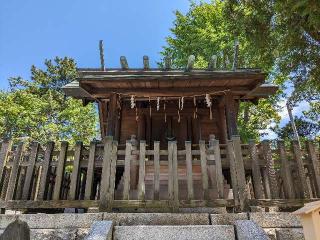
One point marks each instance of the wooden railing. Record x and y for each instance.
(207, 174)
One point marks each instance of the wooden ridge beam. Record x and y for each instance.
(124, 63)
(190, 64)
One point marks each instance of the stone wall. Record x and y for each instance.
(279, 226)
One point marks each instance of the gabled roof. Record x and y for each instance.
(95, 83)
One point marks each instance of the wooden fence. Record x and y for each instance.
(207, 174)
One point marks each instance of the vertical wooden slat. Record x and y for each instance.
(30, 170)
(301, 170)
(90, 171)
(219, 174)
(175, 176)
(142, 159)
(256, 173)
(204, 171)
(127, 163)
(45, 170)
(14, 172)
(285, 171)
(60, 170)
(170, 171)
(233, 173)
(241, 178)
(274, 189)
(105, 176)
(113, 168)
(5, 149)
(156, 162)
(315, 168)
(75, 171)
(189, 170)
(266, 183)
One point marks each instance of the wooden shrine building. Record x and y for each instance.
(167, 104)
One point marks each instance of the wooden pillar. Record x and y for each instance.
(223, 134)
(231, 115)
(112, 115)
(142, 127)
(102, 117)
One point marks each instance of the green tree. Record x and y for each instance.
(206, 30)
(294, 29)
(306, 130)
(37, 109)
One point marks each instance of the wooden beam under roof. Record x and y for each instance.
(124, 63)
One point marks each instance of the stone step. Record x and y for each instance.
(184, 232)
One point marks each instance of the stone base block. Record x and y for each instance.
(174, 232)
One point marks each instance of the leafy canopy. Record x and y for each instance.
(38, 109)
(206, 30)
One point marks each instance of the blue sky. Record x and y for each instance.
(33, 30)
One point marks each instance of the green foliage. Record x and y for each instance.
(306, 130)
(38, 109)
(207, 29)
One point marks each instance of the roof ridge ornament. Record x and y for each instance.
(191, 60)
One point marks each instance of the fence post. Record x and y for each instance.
(301, 169)
(30, 170)
(315, 168)
(173, 175)
(142, 167)
(156, 162)
(5, 149)
(45, 170)
(240, 173)
(218, 167)
(60, 170)
(113, 168)
(75, 171)
(274, 189)
(14, 172)
(189, 170)
(256, 173)
(286, 171)
(90, 171)
(127, 165)
(105, 176)
(204, 169)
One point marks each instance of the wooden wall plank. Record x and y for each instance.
(34, 148)
(286, 171)
(189, 170)
(301, 170)
(60, 170)
(75, 171)
(156, 162)
(256, 173)
(315, 168)
(142, 171)
(204, 171)
(14, 172)
(127, 164)
(270, 167)
(90, 171)
(105, 175)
